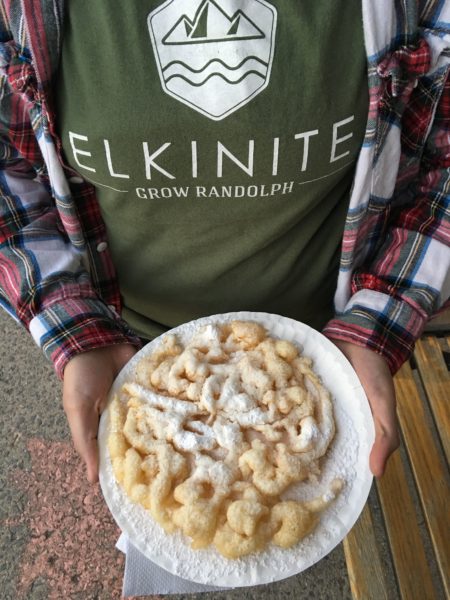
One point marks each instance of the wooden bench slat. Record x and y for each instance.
(413, 574)
(436, 380)
(364, 566)
(427, 463)
(414, 577)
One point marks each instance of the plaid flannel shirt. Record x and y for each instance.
(56, 272)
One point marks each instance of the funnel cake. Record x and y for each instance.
(215, 430)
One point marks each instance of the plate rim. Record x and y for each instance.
(167, 562)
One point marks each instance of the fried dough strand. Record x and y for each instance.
(213, 432)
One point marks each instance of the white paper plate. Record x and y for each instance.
(348, 458)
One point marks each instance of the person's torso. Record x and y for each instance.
(222, 140)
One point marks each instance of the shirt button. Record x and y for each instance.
(102, 246)
(76, 179)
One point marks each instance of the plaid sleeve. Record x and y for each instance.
(44, 283)
(408, 279)
(75, 325)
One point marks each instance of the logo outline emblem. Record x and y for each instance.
(214, 59)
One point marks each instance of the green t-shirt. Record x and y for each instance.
(222, 139)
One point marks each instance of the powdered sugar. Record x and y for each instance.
(346, 459)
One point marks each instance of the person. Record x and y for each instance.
(286, 157)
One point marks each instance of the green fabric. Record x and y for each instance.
(217, 236)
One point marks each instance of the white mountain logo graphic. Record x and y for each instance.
(212, 24)
(213, 58)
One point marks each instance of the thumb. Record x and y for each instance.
(376, 379)
(87, 379)
(386, 441)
